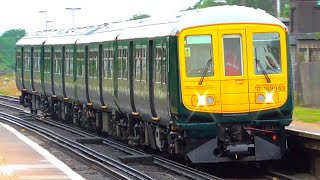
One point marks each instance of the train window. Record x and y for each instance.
(267, 55)
(144, 65)
(105, 63)
(110, 63)
(164, 65)
(125, 63)
(71, 62)
(57, 62)
(158, 64)
(80, 63)
(232, 55)
(93, 63)
(140, 64)
(138, 60)
(26, 61)
(198, 54)
(36, 60)
(119, 67)
(47, 57)
(18, 58)
(67, 62)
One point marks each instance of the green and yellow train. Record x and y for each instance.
(212, 85)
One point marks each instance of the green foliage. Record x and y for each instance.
(267, 5)
(139, 16)
(7, 48)
(305, 114)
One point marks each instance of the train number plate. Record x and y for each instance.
(270, 88)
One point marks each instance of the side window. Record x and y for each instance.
(141, 64)
(36, 60)
(164, 65)
(47, 57)
(18, 59)
(125, 63)
(105, 63)
(198, 54)
(158, 65)
(110, 63)
(80, 63)
(57, 61)
(67, 62)
(26, 59)
(138, 61)
(93, 62)
(120, 57)
(267, 53)
(232, 55)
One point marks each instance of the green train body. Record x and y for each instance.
(132, 80)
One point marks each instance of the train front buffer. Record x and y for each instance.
(241, 142)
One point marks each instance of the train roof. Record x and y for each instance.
(159, 27)
(155, 27)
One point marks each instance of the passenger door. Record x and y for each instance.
(233, 74)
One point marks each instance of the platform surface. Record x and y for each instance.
(22, 158)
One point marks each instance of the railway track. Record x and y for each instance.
(102, 160)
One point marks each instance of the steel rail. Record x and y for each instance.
(77, 147)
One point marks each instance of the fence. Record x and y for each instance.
(308, 84)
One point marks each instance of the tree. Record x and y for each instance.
(7, 48)
(14, 33)
(139, 16)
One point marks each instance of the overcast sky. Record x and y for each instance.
(25, 14)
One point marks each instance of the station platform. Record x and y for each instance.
(23, 159)
(305, 129)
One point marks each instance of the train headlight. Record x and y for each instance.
(260, 98)
(201, 100)
(269, 97)
(209, 100)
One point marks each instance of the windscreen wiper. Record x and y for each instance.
(205, 71)
(264, 72)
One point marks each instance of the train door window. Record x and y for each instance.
(125, 63)
(26, 58)
(36, 60)
(119, 67)
(71, 54)
(198, 54)
(93, 63)
(267, 56)
(138, 60)
(67, 62)
(18, 59)
(110, 63)
(80, 63)
(164, 65)
(105, 63)
(57, 61)
(158, 66)
(143, 66)
(232, 55)
(47, 57)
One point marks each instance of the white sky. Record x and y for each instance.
(25, 14)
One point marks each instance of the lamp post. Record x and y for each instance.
(51, 24)
(73, 9)
(45, 13)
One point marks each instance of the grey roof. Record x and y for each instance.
(169, 26)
